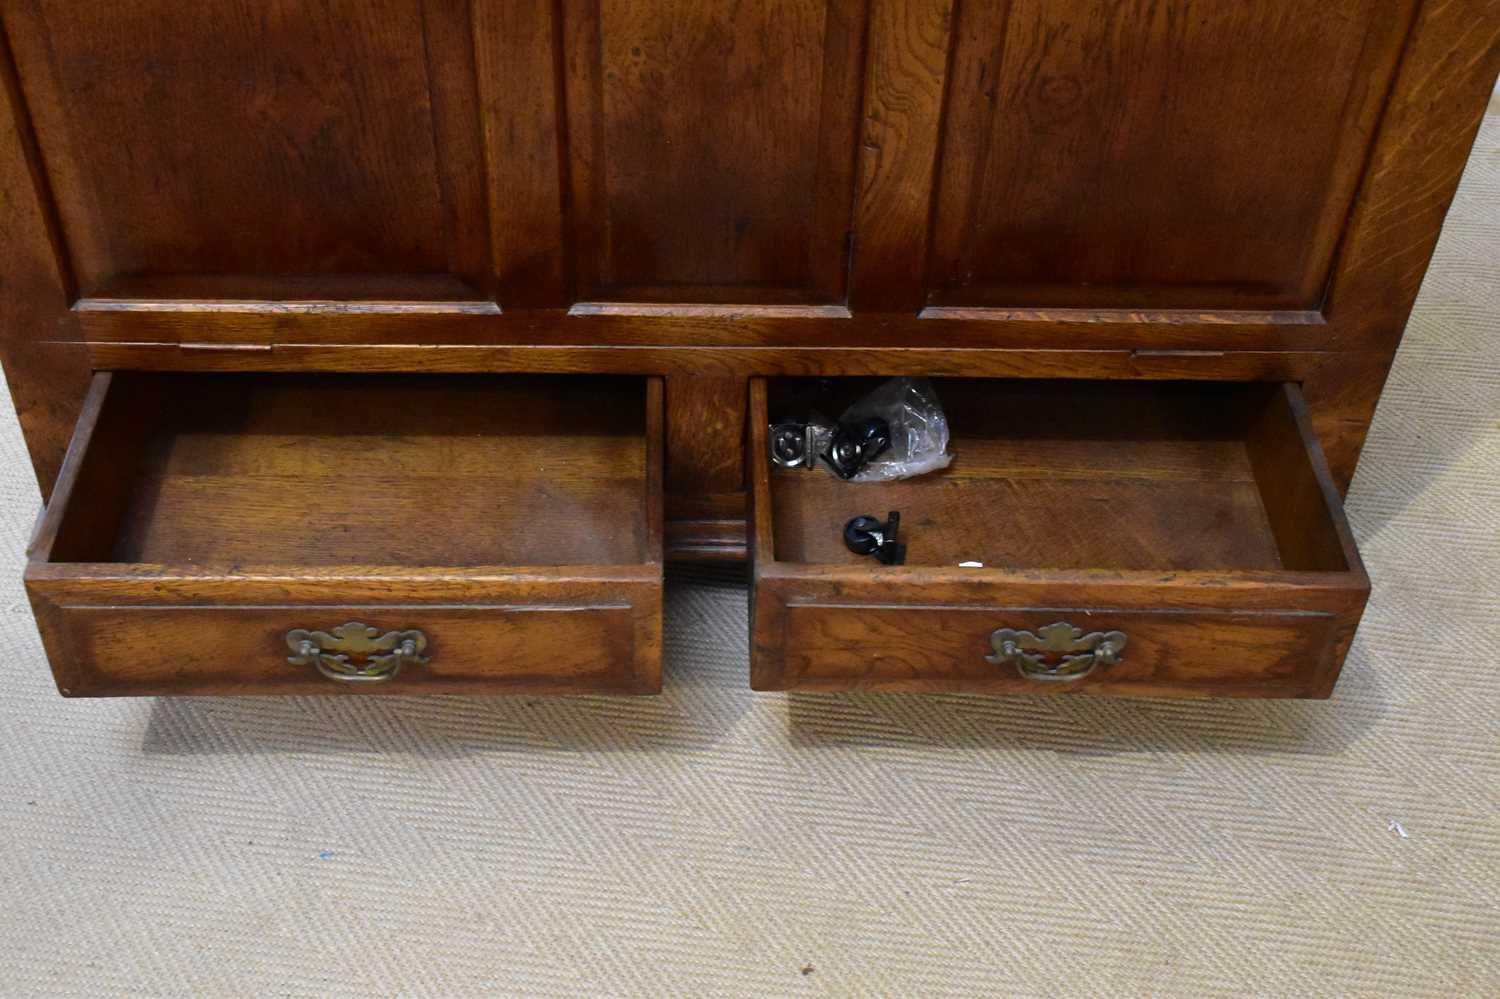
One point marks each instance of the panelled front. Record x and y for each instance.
(1142, 188)
(1170, 154)
(1156, 153)
(1053, 193)
(202, 149)
(710, 148)
(441, 151)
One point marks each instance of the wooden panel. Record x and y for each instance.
(943, 650)
(256, 137)
(449, 42)
(45, 366)
(906, 74)
(1435, 110)
(481, 649)
(705, 434)
(519, 65)
(711, 148)
(1156, 153)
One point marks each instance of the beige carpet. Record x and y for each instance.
(713, 842)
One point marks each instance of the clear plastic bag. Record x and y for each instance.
(918, 426)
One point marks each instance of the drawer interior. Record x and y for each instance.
(1063, 475)
(251, 471)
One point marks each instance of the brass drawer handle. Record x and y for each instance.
(332, 651)
(1073, 655)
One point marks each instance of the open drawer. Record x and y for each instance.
(1147, 538)
(280, 534)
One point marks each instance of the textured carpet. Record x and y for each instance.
(713, 842)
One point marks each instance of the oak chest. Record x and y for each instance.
(395, 347)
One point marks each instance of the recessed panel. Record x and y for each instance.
(711, 148)
(1156, 153)
(235, 136)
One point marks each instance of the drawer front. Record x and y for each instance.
(1029, 650)
(1127, 539)
(217, 535)
(394, 649)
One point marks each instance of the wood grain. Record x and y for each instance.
(761, 540)
(1153, 154)
(1416, 162)
(301, 470)
(264, 137)
(711, 148)
(1131, 523)
(518, 62)
(906, 83)
(705, 435)
(1137, 190)
(158, 321)
(1342, 388)
(200, 517)
(922, 649)
(46, 367)
(1302, 503)
(1105, 505)
(1056, 475)
(476, 649)
(450, 51)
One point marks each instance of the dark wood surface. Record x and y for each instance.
(709, 148)
(1080, 475)
(749, 188)
(1136, 191)
(705, 429)
(200, 517)
(477, 648)
(46, 365)
(243, 138)
(1090, 149)
(1200, 518)
(919, 649)
(359, 469)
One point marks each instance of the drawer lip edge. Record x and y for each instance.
(140, 572)
(104, 585)
(992, 607)
(921, 574)
(356, 605)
